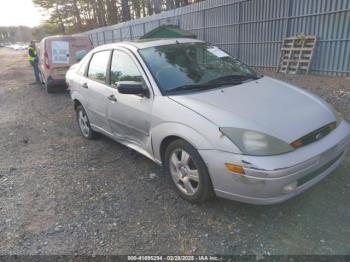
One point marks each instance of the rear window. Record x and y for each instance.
(98, 66)
(67, 50)
(60, 52)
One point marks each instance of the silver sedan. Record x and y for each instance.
(216, 126)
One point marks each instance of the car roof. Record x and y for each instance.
(65, 37)
(145, 43)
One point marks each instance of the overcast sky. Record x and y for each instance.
(19, 12)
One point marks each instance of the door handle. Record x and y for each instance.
(85, 85)
(112, 98)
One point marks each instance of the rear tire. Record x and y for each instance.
(187, 171)
(84, 124)
(49, 89)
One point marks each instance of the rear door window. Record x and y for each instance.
(98, 66)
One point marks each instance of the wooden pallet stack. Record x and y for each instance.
(296, 54)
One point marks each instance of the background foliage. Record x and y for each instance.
(72, 16)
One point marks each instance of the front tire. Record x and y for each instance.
(188, 172)
(84, 123)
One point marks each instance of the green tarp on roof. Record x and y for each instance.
(168, 31)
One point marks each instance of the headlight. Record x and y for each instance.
(256, 143)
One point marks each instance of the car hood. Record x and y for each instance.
(265, 105)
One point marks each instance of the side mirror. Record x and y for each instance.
(132, 88)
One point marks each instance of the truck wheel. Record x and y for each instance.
(48, 88)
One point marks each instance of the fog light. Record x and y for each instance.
(234, 168)
(291, 186)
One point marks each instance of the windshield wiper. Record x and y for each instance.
(192, 87)
(233, 79)
(217, 82)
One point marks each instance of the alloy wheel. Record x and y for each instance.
(184, 172)
(84, 123)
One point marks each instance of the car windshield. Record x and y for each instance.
(184, 67)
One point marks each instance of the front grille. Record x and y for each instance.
(318, 171)
(314, 136)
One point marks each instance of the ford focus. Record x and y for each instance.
(216, 126)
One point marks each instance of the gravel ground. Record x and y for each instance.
(61, 194)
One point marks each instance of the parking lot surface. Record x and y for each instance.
(61, 194)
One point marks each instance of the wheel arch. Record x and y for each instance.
(165, 143)
(204, 187)
(76, 103)
(77, 99)
(166, 133)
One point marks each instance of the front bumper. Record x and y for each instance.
(274, 179)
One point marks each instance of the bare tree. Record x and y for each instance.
(125, 10)
(112, 12)
(157, 6)
(69, 16)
